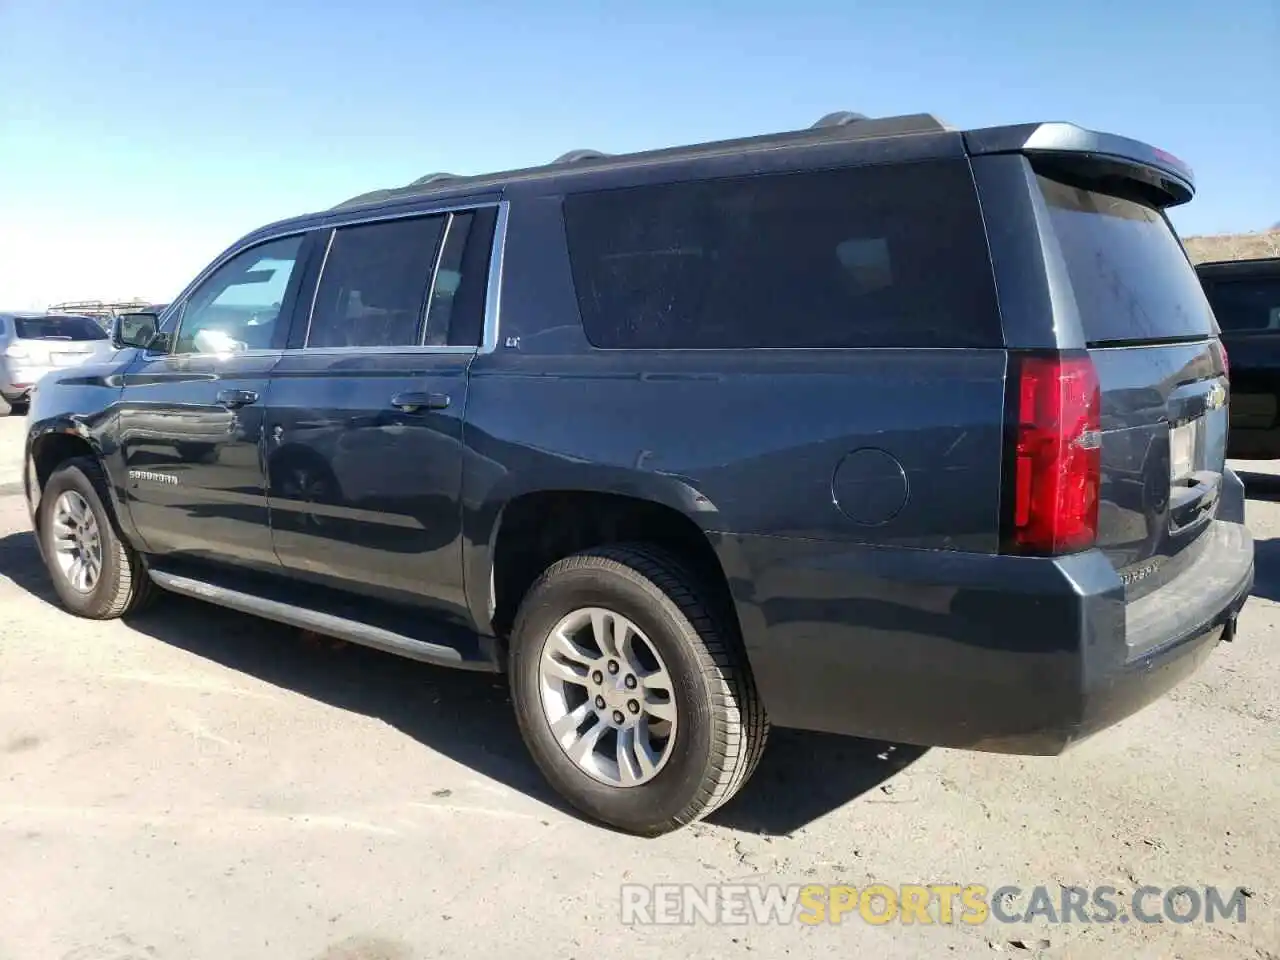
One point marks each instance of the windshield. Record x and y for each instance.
(1131, 279)
(58, 328)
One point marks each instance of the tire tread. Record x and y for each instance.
(721, 656)
(133, 586)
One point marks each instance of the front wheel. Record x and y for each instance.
(95, 573)
(636, 703)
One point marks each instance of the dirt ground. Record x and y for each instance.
(196, 784)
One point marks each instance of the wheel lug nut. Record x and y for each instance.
(618, 717)
(597, 677)
(631, 682)
(613, 666)
(633, 706)
(599, 703)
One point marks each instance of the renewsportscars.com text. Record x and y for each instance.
(973, 904)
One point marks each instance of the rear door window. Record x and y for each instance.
(1131, 279)
(455, 312)
(375, 283)
(58, 328)
(1246, 306)
(878, 256)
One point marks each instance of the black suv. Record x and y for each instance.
(878, 427)
(1245, 296)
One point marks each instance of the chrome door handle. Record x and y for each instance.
(231, 399)
(413, 400)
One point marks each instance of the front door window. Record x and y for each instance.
(237, 307)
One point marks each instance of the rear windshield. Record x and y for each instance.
(58, 328)
(1131, 279)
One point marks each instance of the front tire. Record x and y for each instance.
(635, 701)
(95, 573)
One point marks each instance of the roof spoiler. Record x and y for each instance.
(1160, 176)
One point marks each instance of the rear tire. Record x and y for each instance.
(717, 730)
(99, 582)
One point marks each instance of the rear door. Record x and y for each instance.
(1151, 335)
(364, 422)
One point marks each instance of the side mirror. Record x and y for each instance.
(134, 330)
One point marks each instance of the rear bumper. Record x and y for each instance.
(1168, 633)
(1007, 654)
(16, 381)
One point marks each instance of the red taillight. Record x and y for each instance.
(1057, 454)
(1226, 366)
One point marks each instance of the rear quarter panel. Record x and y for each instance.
(754, 446)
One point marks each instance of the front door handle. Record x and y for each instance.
(413, 400)
(231, 399)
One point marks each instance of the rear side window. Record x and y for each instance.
(58, 328)
(881, 256)
(1246, 306)
(373, 289)
(1131, 279)
(455, 313)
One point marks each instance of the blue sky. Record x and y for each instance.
(139, 137)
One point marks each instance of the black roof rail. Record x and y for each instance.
(839, 124)
(433, 178)
(838, 118)
(574, 156)
(368, 197)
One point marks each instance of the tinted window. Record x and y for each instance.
(1131, 279)
(872, 256)
(373, 290)
(58, 328)
(238, 306)
(1246, 305)
(455, 316)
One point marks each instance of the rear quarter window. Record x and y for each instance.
(878, 256)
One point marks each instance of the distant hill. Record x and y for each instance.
(1234, 246)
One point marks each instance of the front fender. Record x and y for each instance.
(75, 434)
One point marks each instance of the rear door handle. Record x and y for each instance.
(231, 399)
(413, 400)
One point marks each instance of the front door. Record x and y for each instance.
(364, 422)
(191, 413)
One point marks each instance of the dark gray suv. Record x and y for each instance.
(879, 427)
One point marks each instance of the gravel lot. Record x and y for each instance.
(196, 784)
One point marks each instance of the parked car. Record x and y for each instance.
(879, 428)
(33, 344)
(1245, 296)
